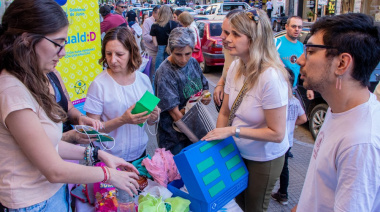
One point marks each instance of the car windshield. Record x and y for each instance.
(215, 29)
(227, 8)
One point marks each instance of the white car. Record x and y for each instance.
(200, 8)
(219, 10)
(187, 9)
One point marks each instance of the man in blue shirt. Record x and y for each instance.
(289, 48)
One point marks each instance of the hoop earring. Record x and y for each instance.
(338, 84)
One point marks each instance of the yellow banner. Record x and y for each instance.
(80, 65)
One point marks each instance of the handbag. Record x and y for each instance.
(196, 123)
(197, 52)
(237, 103)
(145, 64)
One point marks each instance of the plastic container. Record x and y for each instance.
(147, 103)
(213, 172)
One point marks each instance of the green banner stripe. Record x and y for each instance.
(238, 173)
(209, 145)
(233, 162)
(205, 164)
(216, 188)
(227, 150)
(210, 177)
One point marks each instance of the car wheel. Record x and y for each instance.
(205, 68)
(317, 117)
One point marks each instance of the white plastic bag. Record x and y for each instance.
(145, 61)
(156, 190)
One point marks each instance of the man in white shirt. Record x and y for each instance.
(150, 48)
(344, 170)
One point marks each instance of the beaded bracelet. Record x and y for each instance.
(105, 175)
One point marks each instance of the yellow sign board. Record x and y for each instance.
(80, 65)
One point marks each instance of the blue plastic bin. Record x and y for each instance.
(213, 172)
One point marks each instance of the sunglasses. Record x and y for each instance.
(253, 15)
(57, 45)
(124, 6)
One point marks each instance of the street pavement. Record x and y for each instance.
(297, 165)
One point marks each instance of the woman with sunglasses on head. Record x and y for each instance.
(257, 82)
(33, 172)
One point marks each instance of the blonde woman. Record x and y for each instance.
(258, 83)
(160, 32)
(187, 20)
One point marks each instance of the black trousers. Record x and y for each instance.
(284, 177)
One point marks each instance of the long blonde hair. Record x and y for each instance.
(262, 49)
(164, 15)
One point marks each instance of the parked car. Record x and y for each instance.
(219, 10)
(278, 22)
(316, 109)
(209, 33)
(187, 9)
(141, 11)
(200, 8)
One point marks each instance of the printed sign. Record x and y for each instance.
(83, 50)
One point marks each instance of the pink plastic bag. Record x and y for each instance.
(162, 167)
(105, 196)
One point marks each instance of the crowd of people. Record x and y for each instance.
(254, 95)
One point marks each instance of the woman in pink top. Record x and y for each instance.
(32, 170)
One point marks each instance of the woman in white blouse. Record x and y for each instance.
(112, 95)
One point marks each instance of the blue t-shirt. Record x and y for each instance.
(289, 53)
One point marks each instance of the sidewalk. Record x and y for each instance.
(297, 165)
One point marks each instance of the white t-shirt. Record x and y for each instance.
(109, 99)
(344, 171)
(271, 91)
(294, 111)
(269, 5)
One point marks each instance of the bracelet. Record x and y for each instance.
(105, 174)
(109, 174)
(219, 85)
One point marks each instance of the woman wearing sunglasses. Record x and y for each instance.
(33, 172)
(255, 105)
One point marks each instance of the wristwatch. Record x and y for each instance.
(237, 132)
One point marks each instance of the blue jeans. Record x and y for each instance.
(130, 23)
(59, 202)
(161, 56)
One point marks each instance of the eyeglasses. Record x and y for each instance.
(253, 15)
(124, 6)
(57, 45)
(306, 46)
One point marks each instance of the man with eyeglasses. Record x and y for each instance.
(344, 170)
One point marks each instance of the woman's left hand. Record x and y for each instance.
(219, 133)
(154, 115)
(116, 162)
(85, 120)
